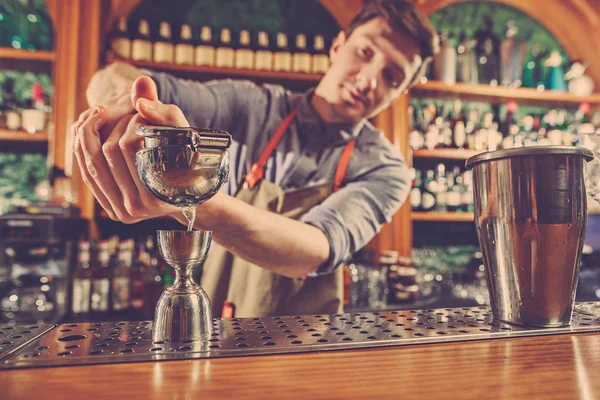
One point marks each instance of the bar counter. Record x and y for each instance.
(563, 366)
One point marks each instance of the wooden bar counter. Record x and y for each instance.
(543, 367)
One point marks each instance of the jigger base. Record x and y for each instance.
(182, 316)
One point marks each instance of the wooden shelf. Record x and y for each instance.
(14, 54)
(500, 94)
(435, 216)
(214, 72)
(444, 154)
(7, 135)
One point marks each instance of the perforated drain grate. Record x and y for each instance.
(89, 343)
(12, 337)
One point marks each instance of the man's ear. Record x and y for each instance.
(337, 44)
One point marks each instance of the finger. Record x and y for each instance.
(143, 87)
(96, 164)
(85, 175)
(130, 143)
(114, 114)
(120, 170)
(155, 112)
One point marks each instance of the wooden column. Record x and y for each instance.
(77, 30)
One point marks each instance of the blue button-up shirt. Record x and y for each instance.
(377, 179)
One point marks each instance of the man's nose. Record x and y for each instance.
(365, 82)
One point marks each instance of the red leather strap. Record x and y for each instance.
(257, 171)
(228, 310)
(342, 166)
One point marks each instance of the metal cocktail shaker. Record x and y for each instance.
(531, 217)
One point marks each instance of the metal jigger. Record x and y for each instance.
(183, 167)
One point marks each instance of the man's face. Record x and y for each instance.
(369, 70)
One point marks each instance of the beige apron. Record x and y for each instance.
(239, 288)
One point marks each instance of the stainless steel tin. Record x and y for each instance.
(531, 217)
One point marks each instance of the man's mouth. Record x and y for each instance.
(353, 97)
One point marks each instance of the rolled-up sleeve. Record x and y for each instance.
(352, 216)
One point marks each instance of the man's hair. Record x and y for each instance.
(402, 17)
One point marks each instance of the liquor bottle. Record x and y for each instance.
(101, 276)
(80, 302)
(225, 54)
(184, 50)
(441, 188)
(119, 41)
(301, 60)
(416, 140)
(10, 108)
(512, 54)
(163, 49)
(141, 45)
(120, 282)
(136, 276)
(33, 117)
(283, 58)
(488, 53)
(205, 51)
(415, 192)
(534, 70)
(263, 59)
(448, 61)
(320, 58)
(466, 61)
(459, 134)
(244, 55)
(466, 202)
(428, 198)
(453, 195)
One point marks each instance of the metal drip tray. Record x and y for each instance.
(99, 343)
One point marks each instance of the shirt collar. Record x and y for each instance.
(310, 122)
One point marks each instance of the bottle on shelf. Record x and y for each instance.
(205, 51)
(488, 53)
(225, 54)
(263, 59)
(141, 46)
(34, 116)
(320, 57)
(301, 59)
(512, 55)
(446, 70)
(137, 272)
(81, 282)
(152, 278)
(415, 192)
(244, 55)
(120, 281)
(12, 115)
(101, 282)
(120, 44)
(282, 60)
(164, 51)
(428, 196)
(184, 49)
(440, 188)
(458, 126)
(466, 60)
(466, 199)
(454, 192)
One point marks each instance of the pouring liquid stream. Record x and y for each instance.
(190, 214)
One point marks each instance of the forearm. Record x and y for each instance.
(279, 244)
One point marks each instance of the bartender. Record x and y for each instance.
(311, 180)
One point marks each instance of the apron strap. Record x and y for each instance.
(342, 166)
(257, 171)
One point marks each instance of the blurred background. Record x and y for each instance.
(510, 74)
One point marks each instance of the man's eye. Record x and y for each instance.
(364, 52)
(391, 79)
